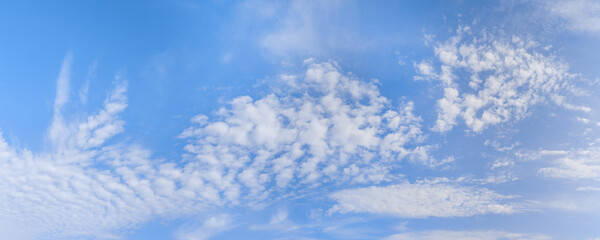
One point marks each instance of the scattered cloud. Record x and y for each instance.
(421, 200)
(325, 145)
(500, 147)
(319, 129)
(487, 80)
(588, 121)
(322, 126)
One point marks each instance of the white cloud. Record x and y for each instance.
(83, 92)
(588, 121)
(323, 126)
(580, 15)
(62, 84)
(421, 200)
(574, 164)
(488, 81)
(90, 132)
(500, 147)
(62, 94)
(465, 235)
(55, 194)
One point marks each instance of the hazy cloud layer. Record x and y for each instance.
(466, 235)
(579, 15)
(572, 164)
(421, 200)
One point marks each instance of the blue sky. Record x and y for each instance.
(257, 119)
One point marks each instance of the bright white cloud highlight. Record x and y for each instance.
(488, 81)
(421, 200)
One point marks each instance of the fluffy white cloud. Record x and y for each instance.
(421, 200)
(322, 127)
(466, 235)
(487, 81)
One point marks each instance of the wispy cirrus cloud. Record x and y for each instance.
(211, 226)
(83, 186)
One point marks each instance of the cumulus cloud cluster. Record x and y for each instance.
(324, 127)
(421, 200)
(487, 81)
